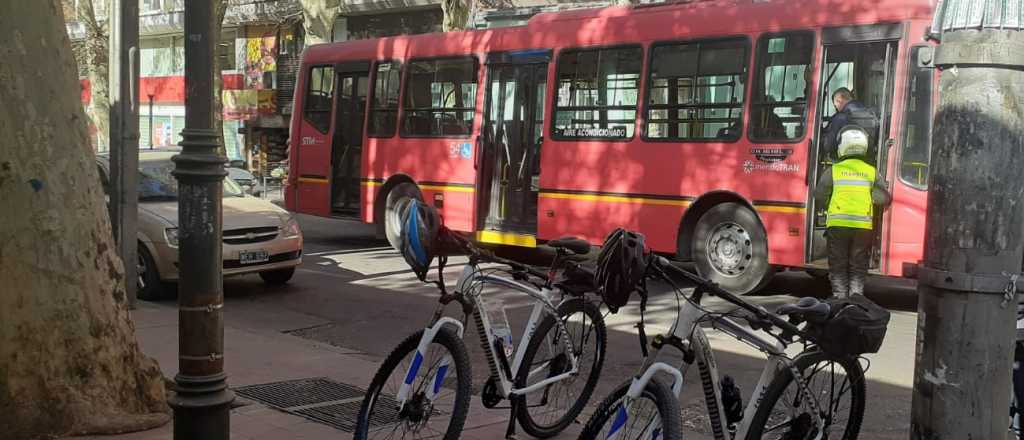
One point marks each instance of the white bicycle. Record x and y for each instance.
(423, 388)
(813, 395)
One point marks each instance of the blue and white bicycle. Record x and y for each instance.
(423, 388)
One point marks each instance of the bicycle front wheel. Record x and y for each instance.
(549, 410)
(655, 414)
(439, 390)
(837, 385)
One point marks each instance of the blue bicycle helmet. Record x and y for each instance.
(418, 236)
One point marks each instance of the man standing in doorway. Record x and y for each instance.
(850, 190)
(849, 111)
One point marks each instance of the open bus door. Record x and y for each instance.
(352, 85)
(863, 60)
(511, 141)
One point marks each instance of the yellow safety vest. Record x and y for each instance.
(851, 206)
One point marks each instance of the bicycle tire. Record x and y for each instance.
(666, 404)
(782, 380)
(447, 339)
(527, 420)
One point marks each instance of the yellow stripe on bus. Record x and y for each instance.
(448, 188)
(312, 180)
(495, 237)
(619, 199)
(785, 209)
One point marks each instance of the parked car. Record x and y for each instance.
(249, 183)
(258, 236)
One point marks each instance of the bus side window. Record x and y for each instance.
(916, 155)
(319, 95)
(596, 95)
(781, 86)
(440, 98)
(384, 103)
(696, 90)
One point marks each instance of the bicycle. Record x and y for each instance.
(544, 373)
(647, 408)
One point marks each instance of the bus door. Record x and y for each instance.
(861, 59)
(352, 85)
(511, 141)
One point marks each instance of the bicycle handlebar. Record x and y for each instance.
(474, 252)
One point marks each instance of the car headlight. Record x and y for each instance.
(171, 235)
(291, 228)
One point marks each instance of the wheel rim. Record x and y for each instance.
(140, 271)
(729, 249)
(640, 419)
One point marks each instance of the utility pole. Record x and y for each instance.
(124, 136)
(974, 239)
(202, 400)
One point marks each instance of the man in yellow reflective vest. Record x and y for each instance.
(851, 190)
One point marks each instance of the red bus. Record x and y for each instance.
(698, 124)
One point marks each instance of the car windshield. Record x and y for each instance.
(157, 183)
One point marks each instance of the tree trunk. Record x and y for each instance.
(96, 56)
(456, 15)
(318, 20)
(69, 361)
(221, 6)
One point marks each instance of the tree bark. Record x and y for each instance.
(456, 15)
(69, 361)
(318, 20)
(96, 55)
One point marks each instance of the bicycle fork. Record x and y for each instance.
(417, 362)
(653, 429)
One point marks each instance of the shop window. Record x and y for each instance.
(440, 98)
(596, 93)
(781, 86)
(384, 103)
(319, 96)
(696, 90)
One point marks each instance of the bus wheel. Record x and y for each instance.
(392, 210)
(730, 248)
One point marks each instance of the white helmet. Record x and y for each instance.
(853, 141)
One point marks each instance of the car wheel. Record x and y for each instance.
(730, 247)
(149, 287)
(393, 210)
(278, 277)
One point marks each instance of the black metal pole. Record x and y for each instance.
(202, 399)
(974, 239)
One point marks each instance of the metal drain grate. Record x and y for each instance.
(319, 399)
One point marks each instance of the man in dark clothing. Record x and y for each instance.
(846, 108)
(850, 189)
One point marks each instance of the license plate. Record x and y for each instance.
(253, 257)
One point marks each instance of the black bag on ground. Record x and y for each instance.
(855, 326)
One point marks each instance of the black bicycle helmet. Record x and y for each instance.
(621, 267)
(418, 235)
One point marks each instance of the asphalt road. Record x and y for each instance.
(373, 301)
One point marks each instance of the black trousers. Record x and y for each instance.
(849, 254)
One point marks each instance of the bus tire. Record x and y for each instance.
(730, 247)
(392, 217)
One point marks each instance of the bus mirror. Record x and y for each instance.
(925, 56)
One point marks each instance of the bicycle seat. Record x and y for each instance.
(571, 244)
(808, 308)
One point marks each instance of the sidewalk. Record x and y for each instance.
(258, 351)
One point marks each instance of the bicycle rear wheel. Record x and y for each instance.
(655, 414)
(785, 413)
(548, 411)
(380, 416)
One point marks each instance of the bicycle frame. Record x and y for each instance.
(469, 277)
(688, 330)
